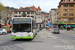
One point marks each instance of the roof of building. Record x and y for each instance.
(24, 10)
(54, 9)
(68, 2)
(34, 8)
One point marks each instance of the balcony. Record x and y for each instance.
(17, 14)
(30, 14)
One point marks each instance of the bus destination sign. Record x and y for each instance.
(22, 19)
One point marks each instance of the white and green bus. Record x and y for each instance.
(23, 28)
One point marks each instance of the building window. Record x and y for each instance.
(65, 19)
(21, 12)
(65, 10)
(61, 0)
(71, 0)
(15, 12)
(38, 17)
(71, 9)
(31, 8)
(65, 14)
(71, 14)
(70, 19)
(32, 16)
(65, 5)
(25, 12)
(15, 16)
(57, 13)
(28, 12)
(65, 0)
(32, 12)
(35, 17)
(71, 5)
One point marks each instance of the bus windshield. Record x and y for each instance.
(21, 27)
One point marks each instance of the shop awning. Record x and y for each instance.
(60, 22)
(69, 25)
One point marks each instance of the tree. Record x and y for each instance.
(3, 12)
(2, 8)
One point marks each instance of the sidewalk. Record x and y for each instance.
(47, 34)
(50, 35)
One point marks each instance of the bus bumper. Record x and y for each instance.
(28, 37)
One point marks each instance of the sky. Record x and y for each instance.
(45, 5)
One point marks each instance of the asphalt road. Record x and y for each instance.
(65, 36)
(44, 40)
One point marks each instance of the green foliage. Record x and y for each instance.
(3, 13)
(2, 8)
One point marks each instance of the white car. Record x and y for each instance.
(3, 31)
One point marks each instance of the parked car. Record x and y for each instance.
(39, 29)
(56, 30)
(7, 28)
(3, 31)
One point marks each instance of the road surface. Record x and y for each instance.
(44, 40)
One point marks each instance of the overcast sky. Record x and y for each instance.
(45, 5)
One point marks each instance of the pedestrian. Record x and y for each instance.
(48, 28)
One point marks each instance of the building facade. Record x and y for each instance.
(38, 13)
(54, 16)
(10, 12)
(25, 12)
(67, 12)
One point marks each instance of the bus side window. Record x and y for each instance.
(33, 25)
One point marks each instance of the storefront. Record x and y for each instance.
(65, 25)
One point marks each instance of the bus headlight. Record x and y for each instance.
(13, 35)
(30, 35)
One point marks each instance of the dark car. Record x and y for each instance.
(56, 31)
(40, 28)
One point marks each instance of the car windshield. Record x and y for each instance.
(21, 27)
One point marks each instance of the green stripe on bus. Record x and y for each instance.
(28, 37)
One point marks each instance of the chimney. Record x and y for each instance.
(20, 7)
(68, 1)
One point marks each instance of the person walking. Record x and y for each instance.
(48, 28)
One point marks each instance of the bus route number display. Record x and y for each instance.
(20, 19)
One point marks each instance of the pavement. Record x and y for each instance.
(44, 40)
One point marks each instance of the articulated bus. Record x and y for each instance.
(23, 28)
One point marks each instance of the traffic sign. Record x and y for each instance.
(49, 24)
(48, 19)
